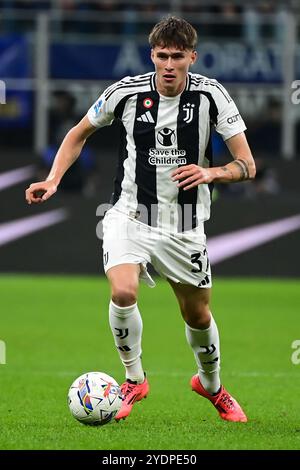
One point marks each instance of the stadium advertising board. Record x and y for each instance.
(227, 62)
(14, 64)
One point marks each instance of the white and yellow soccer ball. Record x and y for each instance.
(94, 398)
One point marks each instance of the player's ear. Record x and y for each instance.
(152, 55)
(194, 57)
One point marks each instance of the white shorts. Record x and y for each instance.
(179, 257)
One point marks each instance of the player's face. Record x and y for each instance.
(171, 66)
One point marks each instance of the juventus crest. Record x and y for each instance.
(188, 108)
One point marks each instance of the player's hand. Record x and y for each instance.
(192, 176)
(40, 192)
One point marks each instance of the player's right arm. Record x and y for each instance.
(101, 113)
(67, 154)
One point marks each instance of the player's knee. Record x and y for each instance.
(198, 323)
(197, 316)
(124, 296)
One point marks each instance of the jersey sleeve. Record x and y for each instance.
(229, 121)
(101, 113)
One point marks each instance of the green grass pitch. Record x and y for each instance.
(56, 328)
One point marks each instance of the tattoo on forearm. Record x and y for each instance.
(243, 168)
(227, 170)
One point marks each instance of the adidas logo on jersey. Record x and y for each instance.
(146, 117)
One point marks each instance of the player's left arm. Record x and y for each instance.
(241, 169)
(243, 166)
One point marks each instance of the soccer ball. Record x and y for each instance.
(94, 398)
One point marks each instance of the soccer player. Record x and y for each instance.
(161, 199)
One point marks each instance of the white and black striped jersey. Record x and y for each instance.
(161, 133)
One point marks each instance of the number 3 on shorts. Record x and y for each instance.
(195, 259)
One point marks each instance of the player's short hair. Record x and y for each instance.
(173, 32)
